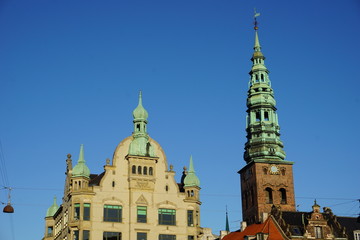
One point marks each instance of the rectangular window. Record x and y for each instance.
(318, 232)
(112, 236)
(257, 116)
(266, 116)
(77, 211)
(190, 218)
(112, 213)
(141, 236)
(50, 231)
(141, 214)
(167, 237)
(167, 216)
(76, 235)
(86, 216)
(191, 238)
(86, 235)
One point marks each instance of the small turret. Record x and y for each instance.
(140, 145)
(192, 184)
(52, 209)
(80, 169)
(191, 180)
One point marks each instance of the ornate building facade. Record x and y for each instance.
(135, 198)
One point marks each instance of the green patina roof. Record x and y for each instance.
(140, 112)
(80, 169)
(191, 179)
(52, 209)
(140, 144)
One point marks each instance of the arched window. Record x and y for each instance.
(145, 171)
(133, 169)
(139, 169)
(268, 195)
(283, 195)
(262, 77)
(192, 193)
(150, 171)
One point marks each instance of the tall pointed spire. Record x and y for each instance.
(262, 122)
(227, 228)
(140, 146)
(191, 179)
(80, 169)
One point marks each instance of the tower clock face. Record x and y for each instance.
(274, 169)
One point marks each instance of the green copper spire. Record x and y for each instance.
(80, 169)
(262, 127)
(191, 179)
(140, 145)
(227, 228)
(52, 209)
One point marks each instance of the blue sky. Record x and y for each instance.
(70, 72)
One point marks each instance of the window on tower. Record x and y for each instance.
(257, 114)
(139, 169)
(86, 209)
(266, 116)
(77, 211)
(283, 195)
(133, 169)
(268, 195)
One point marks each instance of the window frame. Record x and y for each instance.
(190, 218)
(167, 216)
(108, 209)
(167, 237)
(86, 211)
(139, 237)
(77, 211)
(141, 219)
(118, 237)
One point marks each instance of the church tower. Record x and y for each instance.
(267, 178)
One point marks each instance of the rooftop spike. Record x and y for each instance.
(81, 155)
(191, 179)
(227, 228)
(80, 169)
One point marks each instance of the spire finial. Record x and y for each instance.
(255, 21)
(81, 155)
(140, 97)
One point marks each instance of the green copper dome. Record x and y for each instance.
(191, 180)
(140, 112)
(80, 169)
(52, 209)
